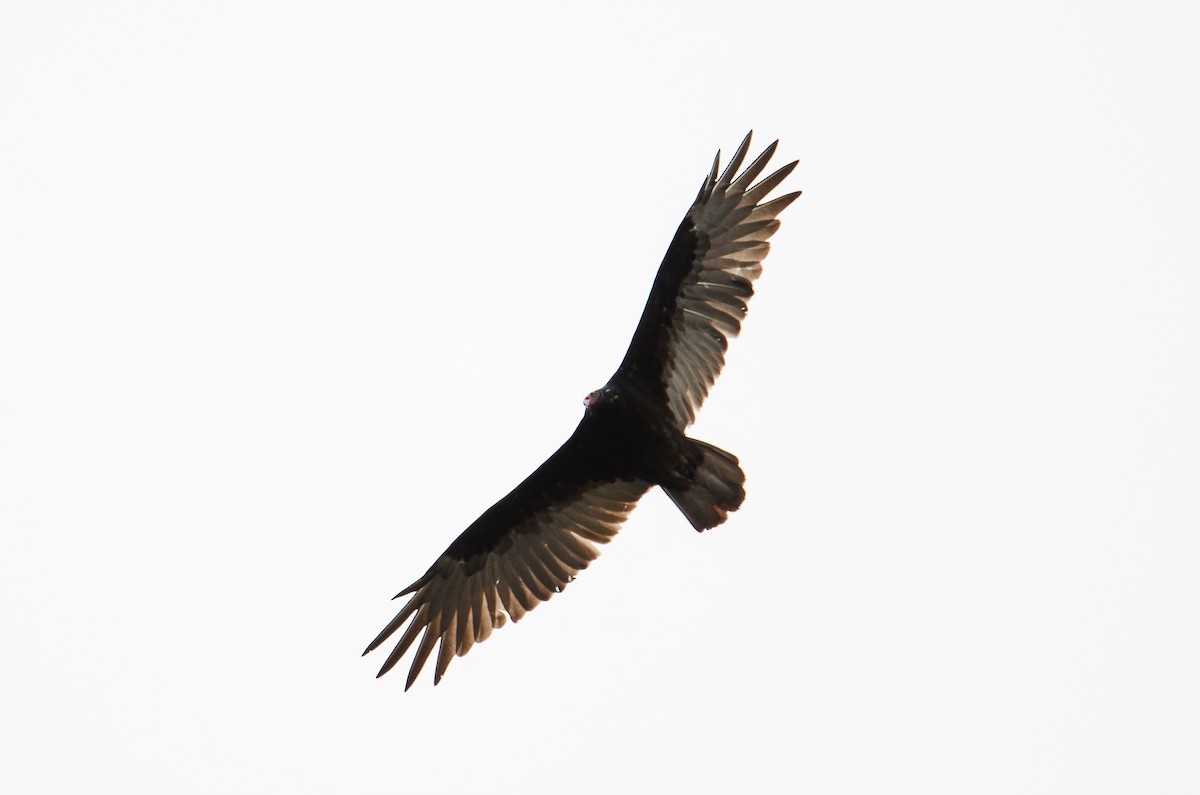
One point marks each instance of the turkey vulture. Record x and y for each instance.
(529, 545)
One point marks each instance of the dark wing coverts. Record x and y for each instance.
(699, 296)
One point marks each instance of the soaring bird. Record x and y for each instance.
(530, 544)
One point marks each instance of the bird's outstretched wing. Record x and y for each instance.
(518, 554)
(700, 293)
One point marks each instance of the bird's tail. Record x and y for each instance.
(715, 488)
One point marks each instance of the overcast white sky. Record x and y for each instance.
(291, 292)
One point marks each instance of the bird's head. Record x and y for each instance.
(599, 397)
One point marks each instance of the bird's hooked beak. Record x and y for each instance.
(592, 399)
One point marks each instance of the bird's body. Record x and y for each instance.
(532, 543)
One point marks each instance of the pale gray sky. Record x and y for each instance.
(292, 292)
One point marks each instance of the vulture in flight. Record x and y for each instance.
(530, 544)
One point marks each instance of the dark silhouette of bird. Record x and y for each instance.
(530, 544)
